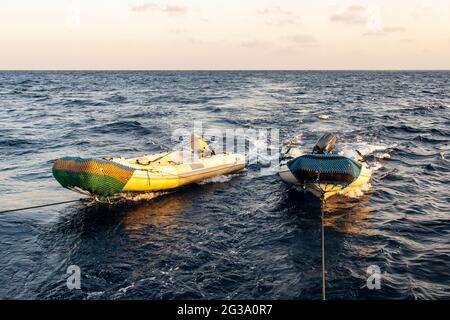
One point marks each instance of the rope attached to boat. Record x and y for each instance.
(39, 206)
(324, 297)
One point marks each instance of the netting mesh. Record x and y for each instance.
(325, 168)
(99, 177)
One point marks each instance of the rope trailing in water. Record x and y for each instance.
(324, 297)
(39, 206)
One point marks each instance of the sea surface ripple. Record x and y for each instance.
(246, 236)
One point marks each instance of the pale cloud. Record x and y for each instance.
(304, 40)
(281, 22)
(420, 11)
(150, 6)
(255, 44)
(385, 31)
(174, 9)
(354, 14)
(192, 40)
(273, 11)
(394, 29)
(360, 15)
(374, 34)
(144, 7)
(276, 16)
(297, 40)
(177, 30)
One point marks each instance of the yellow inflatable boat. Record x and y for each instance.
(163, 171)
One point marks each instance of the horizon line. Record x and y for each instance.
(180, 70)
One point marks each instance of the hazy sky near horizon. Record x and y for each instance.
(232, 34)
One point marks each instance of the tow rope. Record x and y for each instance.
(324, 297)
(39, 206)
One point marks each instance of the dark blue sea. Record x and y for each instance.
(244, 236)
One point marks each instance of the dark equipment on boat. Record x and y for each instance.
(326, 144)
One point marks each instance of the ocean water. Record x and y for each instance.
(243, 236)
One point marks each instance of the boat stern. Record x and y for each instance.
(98, 177)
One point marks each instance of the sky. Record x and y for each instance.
(224, 34)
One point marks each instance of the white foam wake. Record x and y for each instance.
(131, 196)
(348, 149)
(217, 179)
(379, 151)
